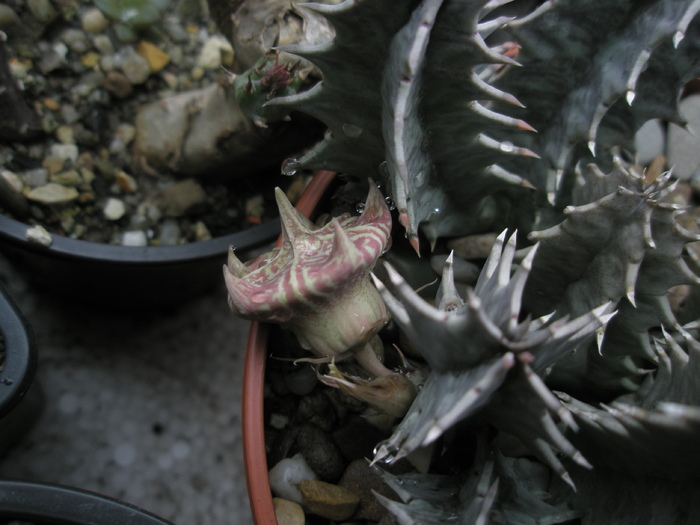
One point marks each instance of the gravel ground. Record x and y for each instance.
(142, 407)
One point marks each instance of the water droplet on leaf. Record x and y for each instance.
(360, 208)
(290, 167)
(351, 130)
(507, 147)
(390, 203)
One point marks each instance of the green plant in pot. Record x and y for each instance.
(564, 362)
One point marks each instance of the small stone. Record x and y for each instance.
(363, 480)
(118, 85)
(684, 146)
(67, 178)
(50, 60)
(126, 182)
(215, 52)
(287, 512)
(169, 233)
(320, 452)
(182, 198)
(42, 10)
(69, 114)
(114, 209)
(156, 58)
(39, 235)
(51, 104)
(35, 177)
(53, 193)
(286, 475)
(65, 135)
(201, 232)
(255, 206)
(65, 151)
(76, 40)
(134, 238)
(7, 16)
(13, 179)
(327, 500)
(93, 21)
(302, 379)
(133, 65)
(473, 246)
(103, 44)
(650, 141)
(53, 164)
(90, 59)
(20, 66)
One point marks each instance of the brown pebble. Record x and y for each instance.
(52, 104)
(117, 84)
(328, 500)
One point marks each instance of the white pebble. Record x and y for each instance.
(286, 475)
(114, 209)
(134, 238)
(65, 151)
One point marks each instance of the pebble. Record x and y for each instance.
(50, 60)
(473, 246)
(286, 475)
(156, 58)
(169, 233)
(7, 16)
(103, 44)
(302, 379)
(117, 84)
(683, 149)
(114, 209)
(35, 177)
(52, 193)
(320, 452)
(42, 10)
(650, 141)
(288, 512)
(201, 232)
(126, 182)
(90, 59)
(363, 480)
(65, 135)
(328, 500)
(134, 238)
(182, 197)
(65, 151)
(67, 178)
(53, 164)
(215, 52)
(13, 179)
(133, 65)
(76, 40)
(93, 21)
(39, 235)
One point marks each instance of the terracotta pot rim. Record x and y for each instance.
(254, 454)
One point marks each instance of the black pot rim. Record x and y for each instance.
(15, 232)
(20, 354)
(50, 503)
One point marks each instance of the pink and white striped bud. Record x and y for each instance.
(317, 283)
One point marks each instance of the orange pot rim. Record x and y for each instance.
(254, 454)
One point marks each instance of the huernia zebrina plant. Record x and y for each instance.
(483, 116)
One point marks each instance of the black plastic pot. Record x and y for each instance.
(48, 504)
(19, 362)
(127, 276)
